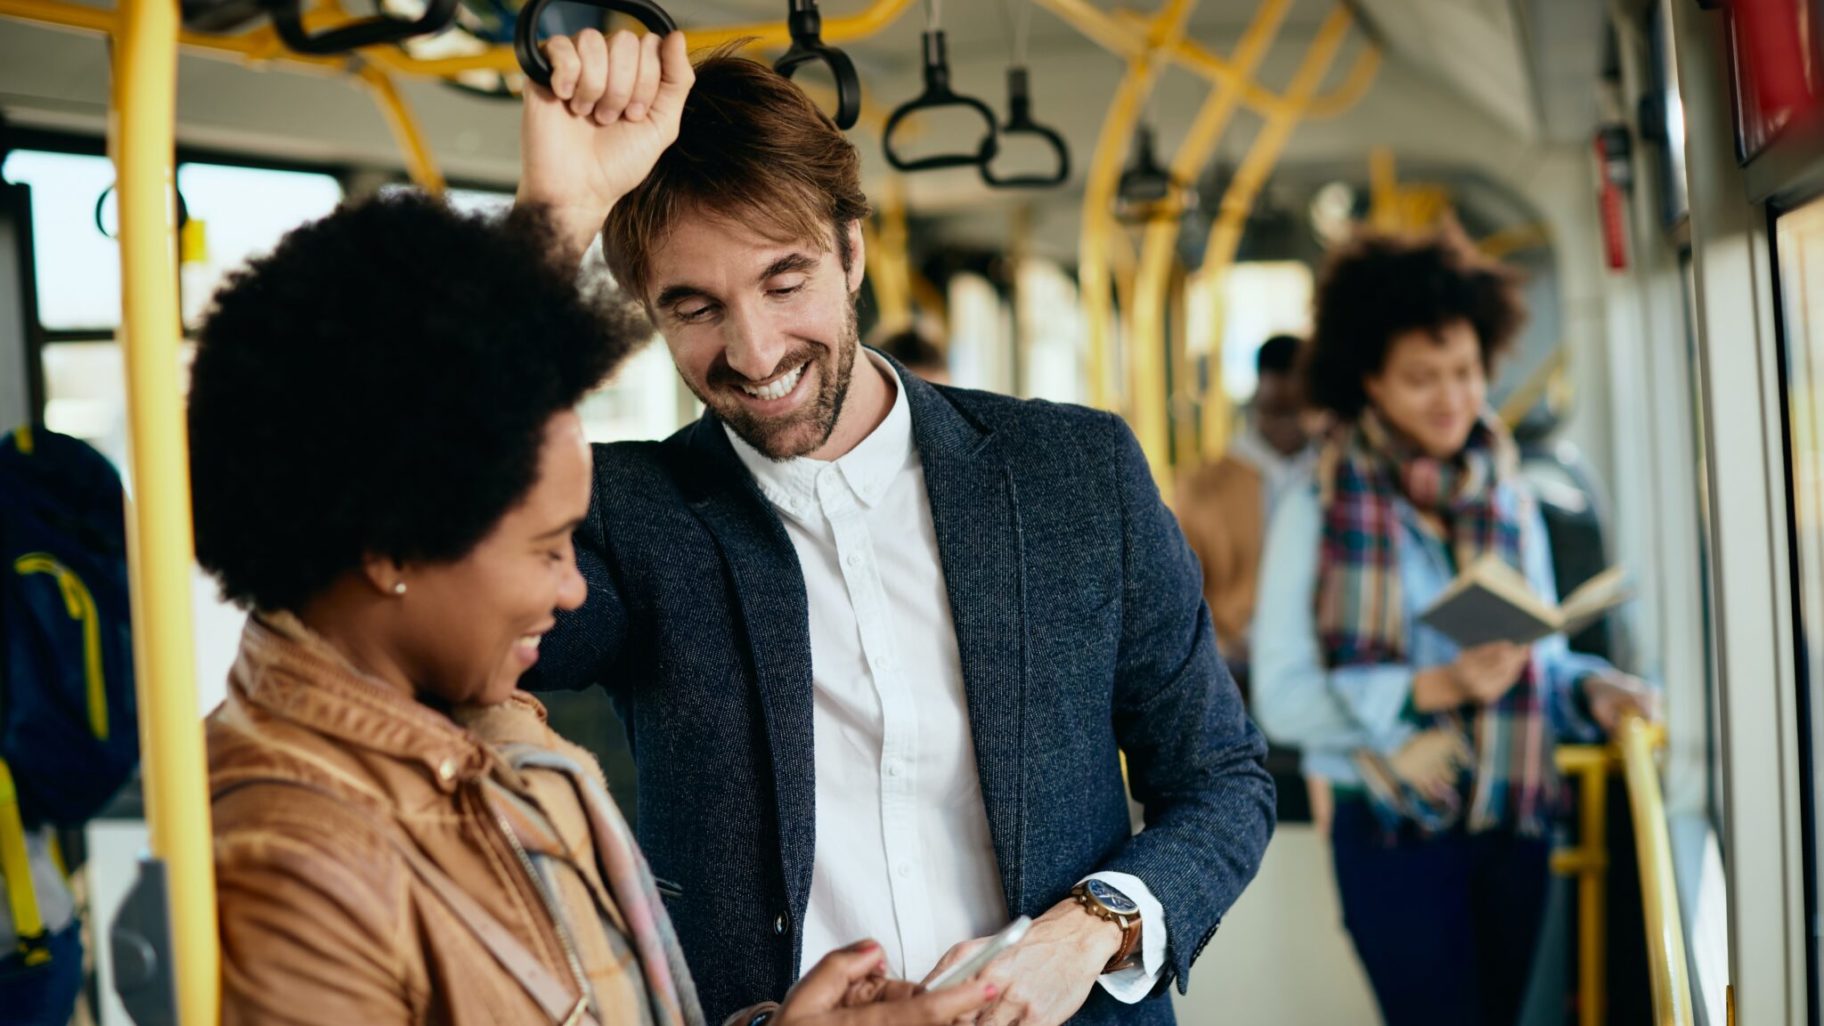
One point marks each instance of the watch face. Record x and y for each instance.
(1111, 899)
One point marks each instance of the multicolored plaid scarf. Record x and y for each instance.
(671, 994)
(1361, 613)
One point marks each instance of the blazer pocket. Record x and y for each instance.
(1084, 609)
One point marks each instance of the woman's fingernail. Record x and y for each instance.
(990, 991)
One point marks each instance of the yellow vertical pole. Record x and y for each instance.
(160, 547)
(1104, 174)
(1251, 175)
(1158, 247)
(889, 266)
(1592, 890)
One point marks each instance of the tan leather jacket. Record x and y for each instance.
(318, 773)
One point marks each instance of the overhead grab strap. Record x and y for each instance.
(1019, 107)
(532, 60)
(938, 94)
(805, 23)
(1020, 122)
(288, 19)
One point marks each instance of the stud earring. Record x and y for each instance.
(399, 588)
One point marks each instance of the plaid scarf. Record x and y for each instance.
(1361, 614)
(670, 994)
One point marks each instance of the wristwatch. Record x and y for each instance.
(1104, 902)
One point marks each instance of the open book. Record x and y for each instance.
(1491, 601)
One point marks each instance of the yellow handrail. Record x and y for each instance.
(1666, 965)
(1632, 748)
(160, 546)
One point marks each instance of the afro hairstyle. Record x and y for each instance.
(380, 384)
(1380, 286)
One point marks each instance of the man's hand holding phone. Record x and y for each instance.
(1043, 978)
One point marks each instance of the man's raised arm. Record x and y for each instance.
(613, 106)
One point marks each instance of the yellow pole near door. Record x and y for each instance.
(160, 547)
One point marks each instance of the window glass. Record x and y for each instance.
(1800, 240)
(238, 213)
(78, 267)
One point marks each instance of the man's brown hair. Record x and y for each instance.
(752, 148)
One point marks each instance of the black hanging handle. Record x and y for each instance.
(806, 25)
(532, 60)
(288, 19)
(1020, 122)
(938, 94)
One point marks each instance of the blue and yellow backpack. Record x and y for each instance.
(69, 736)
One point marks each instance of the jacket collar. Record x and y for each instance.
(287, 671)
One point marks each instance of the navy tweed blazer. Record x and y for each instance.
(1080, 619)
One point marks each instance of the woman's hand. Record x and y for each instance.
(1610, 696)
(849, 988)
(1431, 761)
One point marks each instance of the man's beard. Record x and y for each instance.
(806, 429)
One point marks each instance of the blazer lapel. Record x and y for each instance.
(769, 589)
(973, 507)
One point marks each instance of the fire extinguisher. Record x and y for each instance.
(1615, 169)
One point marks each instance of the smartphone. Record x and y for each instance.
(968, 967)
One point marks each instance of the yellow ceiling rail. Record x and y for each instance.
(1159, 245)
(419, 162)
(261, 44)
(1251, 177)
(160, 545)
(1099, 229)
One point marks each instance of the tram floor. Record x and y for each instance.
(1282, 956)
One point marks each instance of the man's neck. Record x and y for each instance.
(871, 395)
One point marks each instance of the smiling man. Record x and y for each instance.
(878, 645)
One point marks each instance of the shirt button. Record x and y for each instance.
(892, 769)
(854, 559)
(904, 870)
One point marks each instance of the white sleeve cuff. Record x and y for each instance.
(1131, 986)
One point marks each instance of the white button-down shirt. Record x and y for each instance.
(903, 850)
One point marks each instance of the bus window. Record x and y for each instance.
(1800, 242)
(78, 267)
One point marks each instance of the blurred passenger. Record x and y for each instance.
(1225, 506)
(918, 354)
(388, 471)
(878, 643)
(1441, 759)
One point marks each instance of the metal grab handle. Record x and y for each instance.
(288, 19)
(806, 25)
(1020, 122)
(532, 60)
(938, 94)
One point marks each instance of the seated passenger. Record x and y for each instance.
(387, 473)
(1226, 504)
(1441, 759)
(917, 353)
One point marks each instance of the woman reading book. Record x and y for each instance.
(1440, 756)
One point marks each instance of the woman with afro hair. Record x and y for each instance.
(387, 470)
(1440, 758)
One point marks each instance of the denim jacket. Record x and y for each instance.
(1330, 712)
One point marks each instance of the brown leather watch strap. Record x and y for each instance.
(1128, 954)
